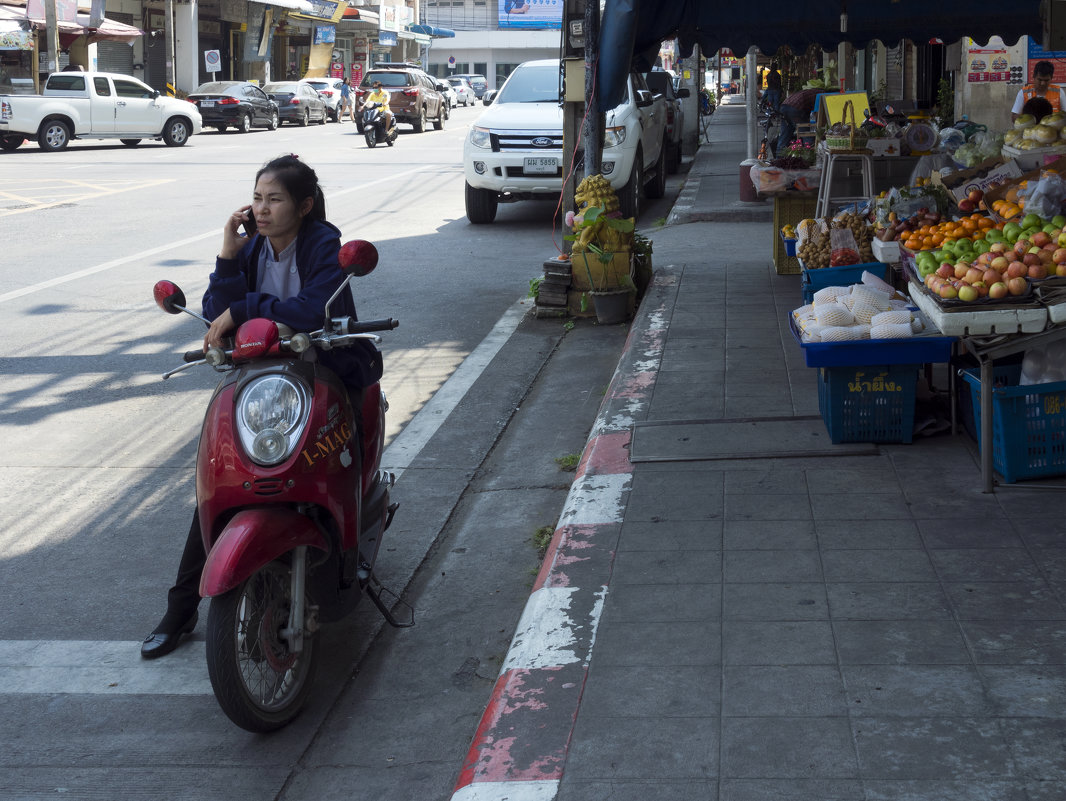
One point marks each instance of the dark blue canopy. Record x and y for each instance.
(631, 30)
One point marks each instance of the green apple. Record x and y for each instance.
(1031, 221)
(1059, 221)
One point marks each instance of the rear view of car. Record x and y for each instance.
(297, 102)
(238, 104)
(413, 95)
(329, 89)
(477, 83)
(464, 92)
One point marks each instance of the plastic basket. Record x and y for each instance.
(872, 403)
(1028, 424)
(790, 246)
(849, 274)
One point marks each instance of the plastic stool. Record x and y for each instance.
(825, 185)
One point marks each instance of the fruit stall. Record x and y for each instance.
(959, 269)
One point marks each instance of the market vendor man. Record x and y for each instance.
(795, 108)
(1040, 87)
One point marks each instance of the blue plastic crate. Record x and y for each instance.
(813, 280)
(790, 246)
(916, 350)
(871, 403)
(1028, 424)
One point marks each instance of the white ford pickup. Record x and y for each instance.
(515, 149)
(95, 105)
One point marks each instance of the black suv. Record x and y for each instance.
(413, 94)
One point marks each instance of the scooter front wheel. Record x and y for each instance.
(260, 683)
(371, 137)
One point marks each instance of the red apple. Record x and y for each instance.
(1017, 269)
(990, 276)
(1059, 256)
(997, 290)
(975, 195)
(1060, 269)
(1001, 263)
(948, 292)
(973, 275)
(1037, 271)
(1017, 286)
(1022, 246)
(998, 247)
(961, 269)
(967, 206)
(1040, 239)
(1030, 259)
(946, 270)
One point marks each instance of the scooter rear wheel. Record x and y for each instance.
(259, 682)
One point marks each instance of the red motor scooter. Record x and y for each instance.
(291, 500)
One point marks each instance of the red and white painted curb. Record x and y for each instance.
(519, 750)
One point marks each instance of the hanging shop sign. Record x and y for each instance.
(387, 39)
(16, 40)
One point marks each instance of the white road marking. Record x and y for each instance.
(100, 667)
(56, 667)
(407, 445)
(144, 254)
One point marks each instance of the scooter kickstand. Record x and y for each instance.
(375, 589)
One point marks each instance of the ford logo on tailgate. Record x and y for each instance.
(542, 141)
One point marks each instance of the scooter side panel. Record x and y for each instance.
(253, 538)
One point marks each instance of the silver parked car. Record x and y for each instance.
(330, 91)
(464, 92)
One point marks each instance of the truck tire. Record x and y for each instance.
(176, 132)
(656, 187)
(420, 122)
(11, 142)
(438, 124)
(629, 195)
(481, 205)
(673, 158)
(53, 135)
(130, 142)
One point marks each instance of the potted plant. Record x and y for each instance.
(602, 261)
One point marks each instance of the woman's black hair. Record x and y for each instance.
(299, 180)
(1039, 107)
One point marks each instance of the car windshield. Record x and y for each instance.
(531, 85)
(215, 88)
(455, 81)
(318, 84)
(280, 88)
(387, 79)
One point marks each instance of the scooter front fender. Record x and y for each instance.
(252, 539)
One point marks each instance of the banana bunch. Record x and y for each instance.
(788, 232)
(595, 190)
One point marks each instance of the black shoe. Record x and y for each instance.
(161, 643)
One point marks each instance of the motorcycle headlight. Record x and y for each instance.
(613, 137)
(272, 412)
(480, 137)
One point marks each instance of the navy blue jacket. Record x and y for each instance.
(232, 286)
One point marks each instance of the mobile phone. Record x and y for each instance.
(250, 225)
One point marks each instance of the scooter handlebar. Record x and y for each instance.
(367, 326)
(193, 355)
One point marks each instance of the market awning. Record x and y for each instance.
(432, 30)
(632, 30)
(294, 5)
(352, 14)
(107, 31)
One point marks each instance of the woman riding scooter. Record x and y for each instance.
(286, 272)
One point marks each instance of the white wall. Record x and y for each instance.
(495, 47)
(990, 103)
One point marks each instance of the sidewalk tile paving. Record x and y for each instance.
(844, 628)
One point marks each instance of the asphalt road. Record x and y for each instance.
(97, 456)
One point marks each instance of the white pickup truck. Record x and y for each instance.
(95, 105)
(515, 149)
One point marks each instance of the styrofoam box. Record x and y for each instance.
(888, 252)
(972, 323)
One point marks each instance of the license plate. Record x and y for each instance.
(541, 165)
(206, 103)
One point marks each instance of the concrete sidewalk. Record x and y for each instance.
(862, 626)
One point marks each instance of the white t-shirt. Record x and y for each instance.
(278, 277)
(1019, 101)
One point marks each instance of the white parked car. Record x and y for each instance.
(515, 149)
(446, 89)
(330, 91)
(464, 91)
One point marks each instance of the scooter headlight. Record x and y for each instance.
(272, 412)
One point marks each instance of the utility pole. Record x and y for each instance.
(573, 50)
(168, 29)
(52, 35)
(594, 121)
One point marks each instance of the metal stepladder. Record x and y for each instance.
(830, 162)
